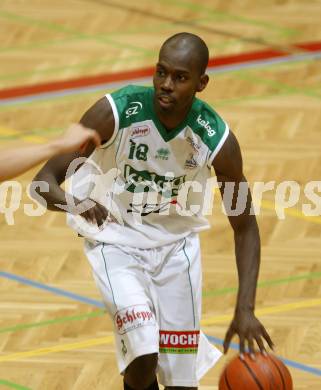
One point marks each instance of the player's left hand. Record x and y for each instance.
(250, 330)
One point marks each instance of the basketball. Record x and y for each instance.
(263, 373)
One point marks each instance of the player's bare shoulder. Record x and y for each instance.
(228, 161)
(101, 118)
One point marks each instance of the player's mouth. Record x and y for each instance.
(165, 101)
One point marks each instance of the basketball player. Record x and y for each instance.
(147, 264)
(14, 162)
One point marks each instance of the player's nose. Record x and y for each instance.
(168, 84)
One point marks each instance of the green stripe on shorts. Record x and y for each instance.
(178, 350)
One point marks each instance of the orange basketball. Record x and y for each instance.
(263, 373)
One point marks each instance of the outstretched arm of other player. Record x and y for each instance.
(228, 168)
(99, 117)
(14, 162)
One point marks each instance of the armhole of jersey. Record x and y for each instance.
(116, 119)
(218, 147)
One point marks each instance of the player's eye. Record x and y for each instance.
(160, 72)
(181, 77)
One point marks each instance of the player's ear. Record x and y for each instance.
(203, 81)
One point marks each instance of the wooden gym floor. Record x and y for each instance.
(53, 332)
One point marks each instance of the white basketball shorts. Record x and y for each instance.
(154, 299)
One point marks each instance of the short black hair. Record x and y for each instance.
(195, 43)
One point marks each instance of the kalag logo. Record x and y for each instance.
(139, 131)
(134, 109)
(206, 126)
(133, 317)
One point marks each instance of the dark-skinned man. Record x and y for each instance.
(141, 237)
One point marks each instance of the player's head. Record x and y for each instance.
(180, 71)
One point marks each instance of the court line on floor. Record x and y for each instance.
(105, 38)
(219, 64)
(102, 38)
(100, 304)
(55, 290)
(33, 135)
(59, 320)
(275, 206)
(13, 385)
(78, 66)
(10, 133)
(97, 83)
(57, 348)
(87, 64)
(91, 64)
(86, 343)
(265, 283)
(288, 362)
(80, 94)
(72, 93)
(47, 43)
(7, 133)
(218, 292)
(107, 340)
(162, 26)
(208, 321)
(280, 86)
(283, 308)
(218, 14)
(150, 14)
(268, 205)
(96, 92)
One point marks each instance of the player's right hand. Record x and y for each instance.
(97, 214)
(77, 137)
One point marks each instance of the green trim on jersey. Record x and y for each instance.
(166, 135)
(206, 123)
(135, 104)
(131, 102)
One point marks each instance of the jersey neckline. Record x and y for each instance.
(166, 135)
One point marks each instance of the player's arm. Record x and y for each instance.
(99, 117)
(228, 167)
(17, 161)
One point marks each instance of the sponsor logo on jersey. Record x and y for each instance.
(206, 126)
(133, 317)
(150, 181)
(162, 154)
(191, 163)
(134, 109)
(178, 342)
(144, 209)
(193, 144)
(139, 131)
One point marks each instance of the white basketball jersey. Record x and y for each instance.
(152, 180)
